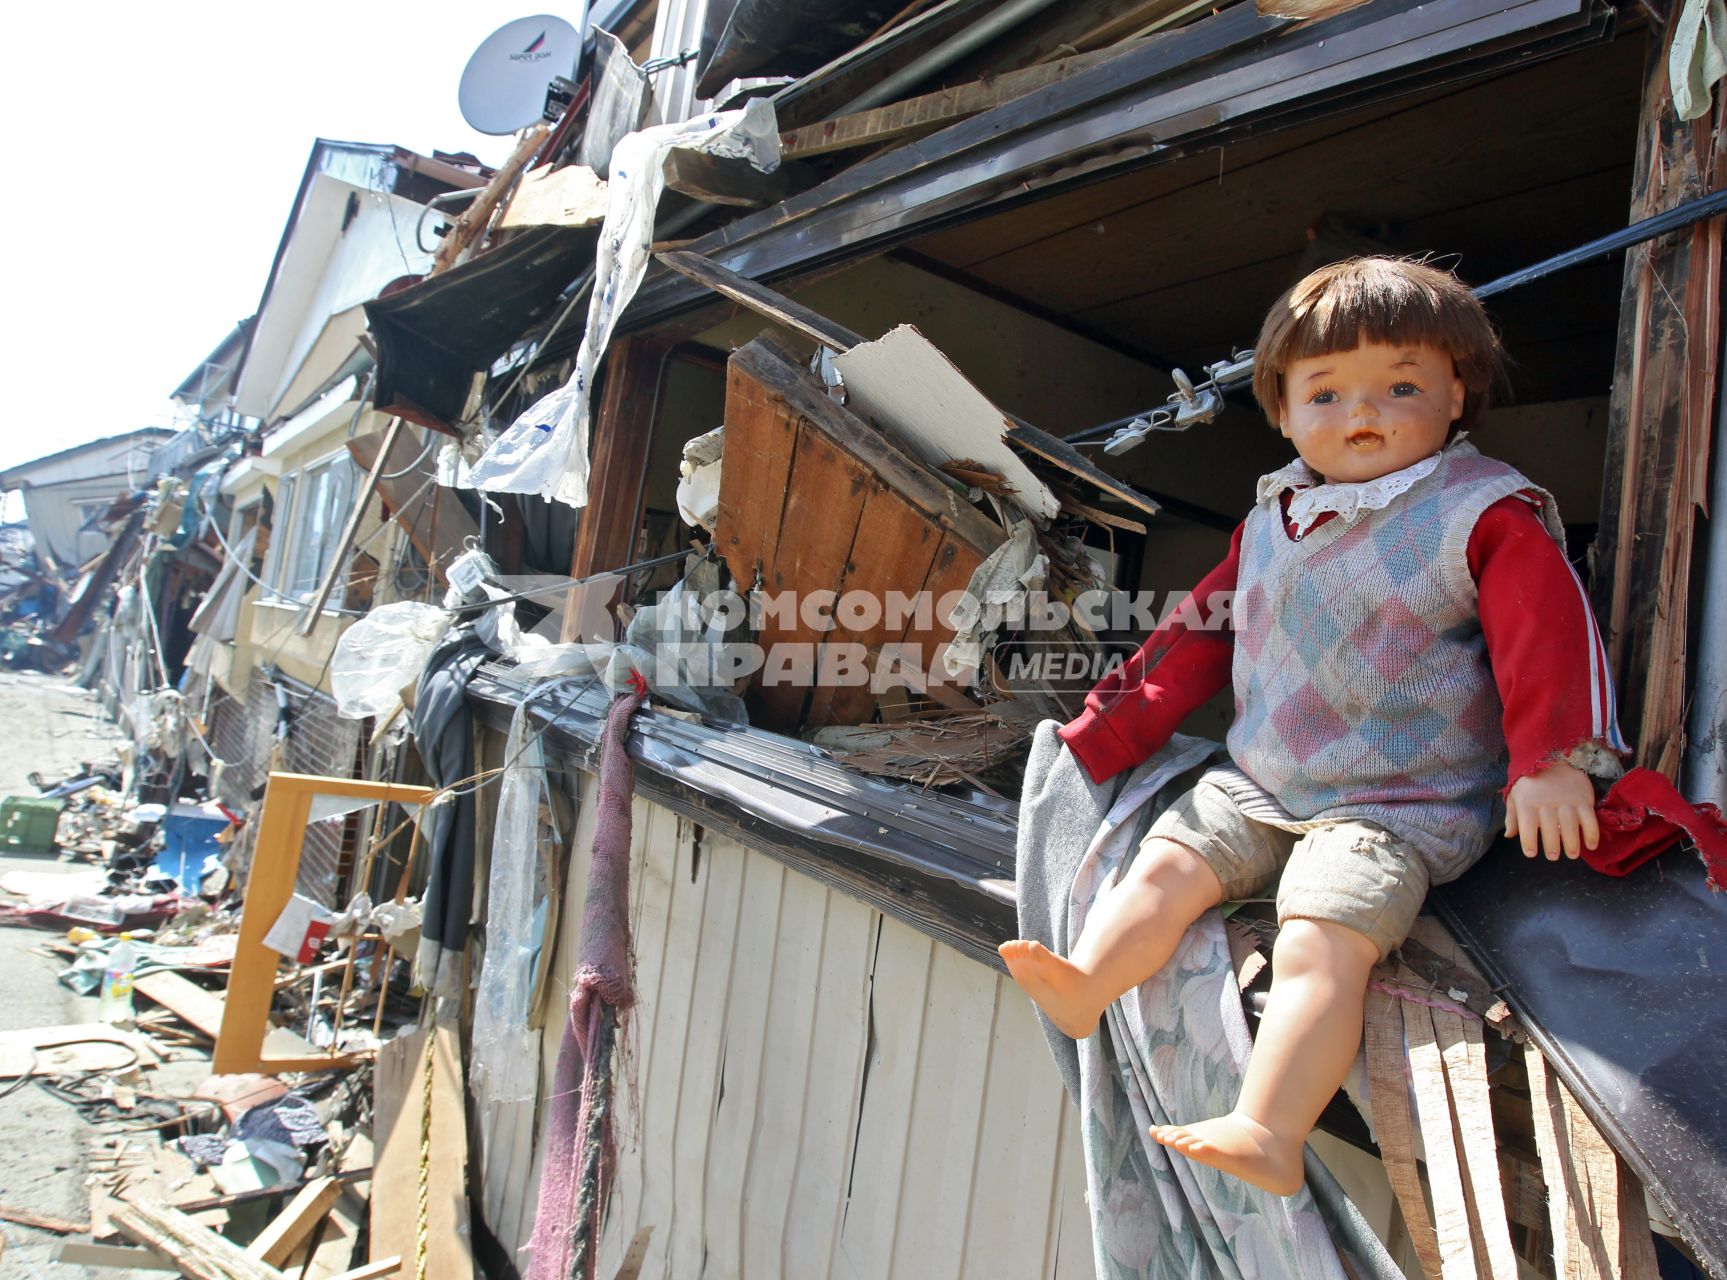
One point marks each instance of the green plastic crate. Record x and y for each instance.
(29, 822)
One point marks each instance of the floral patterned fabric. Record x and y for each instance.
(1173, 1050)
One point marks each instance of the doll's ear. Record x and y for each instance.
(1459, 394)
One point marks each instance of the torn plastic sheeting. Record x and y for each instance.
(699, 479)
(506, 1049)
(683, 646)
(545, 450)
(382, 654)
(1011, 571)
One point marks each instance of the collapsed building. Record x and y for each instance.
(935, 309)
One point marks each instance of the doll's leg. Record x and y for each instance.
(1129, 934)
(1307, 1040)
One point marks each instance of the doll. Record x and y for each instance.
(1414, 664)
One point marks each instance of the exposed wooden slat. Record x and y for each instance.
(1393, 1125)
(622, 441)
(1465, 1056)
(1661, 422)
(893, 551)
(199, 1252)
(930, 110)
(746, 1049)
(761, 299)
(1444, 1171)
(572, 196)
(817, 532)
(310, 1205)
(477, 215)
(946, 1113)
(732, 180)
(720, 870)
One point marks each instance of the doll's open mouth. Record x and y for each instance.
(1363, 439)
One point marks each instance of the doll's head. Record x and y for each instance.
(1385, 302)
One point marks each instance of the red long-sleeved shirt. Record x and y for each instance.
(1548, 661)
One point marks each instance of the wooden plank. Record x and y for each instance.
(820, 524)
(1020, 1145)
(1465, 1056)
(78, 1253)
(476, 216)
(1444, 1173)
(622, 439)
(674, 1015)
(573, 196)
(929, 111)
(1393, 1126)
(770, 1244)
(945, 1119)
(761, 299)
(732, 180)
(277, 1241)
(1069, 1251)
(840, 1036)
(199, 1252)
(1053, 449)
(747, 1046)
(397, 1093)
(921, 486)
(706, 1038)
(892, 552)
(899, 993)
(755, 471)
(1661, 422)
(372, 1270)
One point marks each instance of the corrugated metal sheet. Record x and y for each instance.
(819, 1090)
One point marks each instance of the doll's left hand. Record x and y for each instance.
(1553, 810)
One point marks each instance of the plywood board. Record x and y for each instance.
(573, 196)
(416, 1076)
(910, 389)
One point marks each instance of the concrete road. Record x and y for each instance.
(49, 727)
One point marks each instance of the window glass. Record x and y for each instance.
(326, 491)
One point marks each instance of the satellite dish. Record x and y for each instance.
(504, 84)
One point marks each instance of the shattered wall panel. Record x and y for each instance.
(813, 499)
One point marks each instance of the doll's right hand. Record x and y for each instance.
(1553, 810)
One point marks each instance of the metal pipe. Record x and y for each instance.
(946, 53)
(1704, 773)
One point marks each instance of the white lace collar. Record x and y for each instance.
(1311, 499)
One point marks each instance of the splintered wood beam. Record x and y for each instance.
(199, 1252)
(1660, 423)
(622, 441)
(761, 299)
(731, 180)
(931, 110)
(277, 1242)
(475, 217)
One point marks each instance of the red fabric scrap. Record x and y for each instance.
(1643, 814)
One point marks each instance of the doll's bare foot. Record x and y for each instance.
(1063, 992)
(1240, 1147)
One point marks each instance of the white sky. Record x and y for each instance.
(156, 150)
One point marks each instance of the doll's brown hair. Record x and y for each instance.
(1382, 300)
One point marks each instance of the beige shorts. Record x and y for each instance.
(1356, 874)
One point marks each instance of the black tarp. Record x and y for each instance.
(433, 337)
(1623, 984)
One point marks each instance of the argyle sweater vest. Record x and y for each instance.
(1362, 684)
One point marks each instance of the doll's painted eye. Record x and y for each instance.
(1323, 396)
(1405, 389)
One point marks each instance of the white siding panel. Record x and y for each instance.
(819, 1091)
